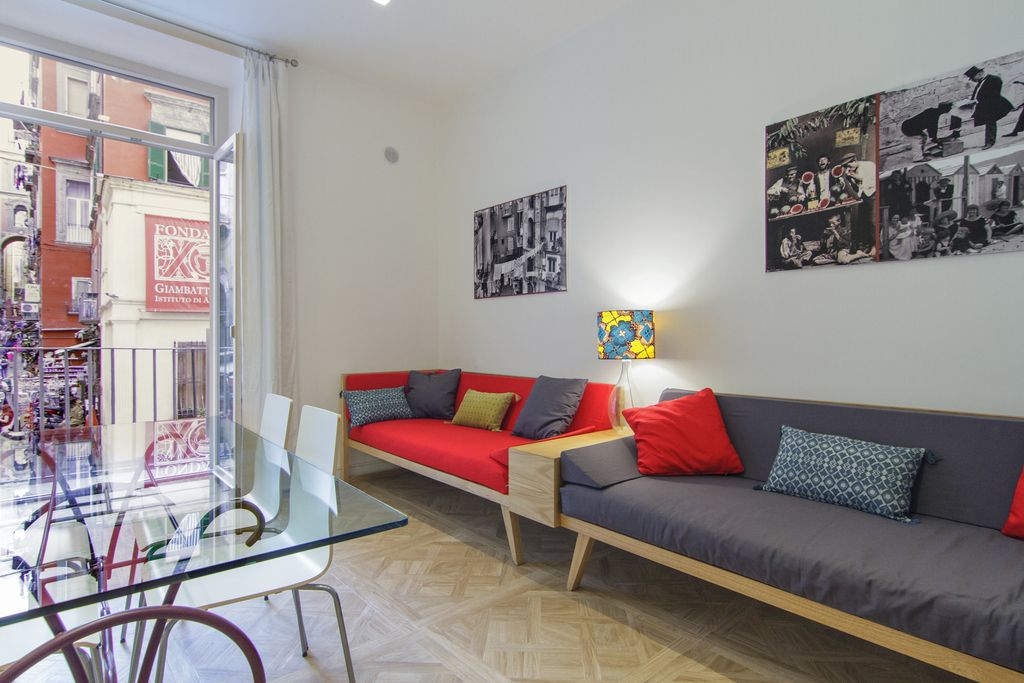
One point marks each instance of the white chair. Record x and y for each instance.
(277, 411)
(273, 460)
(265, 492)
(308, 516)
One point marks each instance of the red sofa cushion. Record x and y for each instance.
(500, 456)
(683, 436)
(376, 380)
(593, 408)
(464, 452)
(1015, 522)
(592, 411)
(473, 454)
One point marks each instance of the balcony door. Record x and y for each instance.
(225, 291)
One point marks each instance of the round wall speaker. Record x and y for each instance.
(391, 154)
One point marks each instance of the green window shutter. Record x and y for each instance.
(204, 177)
(157, 157)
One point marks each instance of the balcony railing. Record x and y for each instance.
(51, 387)
(77, 234)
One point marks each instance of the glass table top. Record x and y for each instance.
(100, 513)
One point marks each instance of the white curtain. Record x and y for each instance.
(266, 341)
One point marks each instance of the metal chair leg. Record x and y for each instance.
(161, 655)
(128, 598)
(140, 632)
(302, 627)
(341, 623)
(127, 606)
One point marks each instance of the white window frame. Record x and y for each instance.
(66, 73)
(221, 129)
(65, 172)
(83, 209)
(76, 300)
(87, 60)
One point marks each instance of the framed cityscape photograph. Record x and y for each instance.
(519, 246)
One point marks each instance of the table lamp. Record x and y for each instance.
(623, 336)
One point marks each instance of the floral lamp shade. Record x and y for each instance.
(623, 335)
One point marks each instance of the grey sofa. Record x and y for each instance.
(948, 589)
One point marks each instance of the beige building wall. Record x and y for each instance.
(125, 324)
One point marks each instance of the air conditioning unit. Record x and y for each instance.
(30, 311)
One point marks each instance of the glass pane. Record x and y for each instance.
(43, 82)
(77, 97)
(106, 283)
(148, 493)
(225, 290)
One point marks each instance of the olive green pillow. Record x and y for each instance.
(482, 410)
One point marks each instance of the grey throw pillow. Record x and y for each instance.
(836, 469)
(549, 408)
(376, 405)
(433, 394)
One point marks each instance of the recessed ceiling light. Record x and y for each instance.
(382, 2)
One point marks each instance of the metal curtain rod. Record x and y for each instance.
(290, 61)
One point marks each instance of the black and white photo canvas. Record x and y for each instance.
(519, 246)
(951, 150)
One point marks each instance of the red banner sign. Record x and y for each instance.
(177, 264)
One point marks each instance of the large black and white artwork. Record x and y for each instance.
(519, 246)
(946, 155)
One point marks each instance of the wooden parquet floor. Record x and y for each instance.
(438, 601)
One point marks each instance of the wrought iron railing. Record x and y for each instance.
(53, 387)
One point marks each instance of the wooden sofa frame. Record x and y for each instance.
(533, 477)
(937, 655)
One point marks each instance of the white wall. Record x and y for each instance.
(366, 230)
(654, 118)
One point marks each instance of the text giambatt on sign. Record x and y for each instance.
(177, 264)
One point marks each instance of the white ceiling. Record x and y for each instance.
(431, 48)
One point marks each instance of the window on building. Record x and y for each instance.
(176, 167)
(14, 267)
(73, 90)
(189, 379)
(20, 217)
(77, 212)
(80, 286)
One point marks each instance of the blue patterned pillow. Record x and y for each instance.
(376, 405)
(836, 469)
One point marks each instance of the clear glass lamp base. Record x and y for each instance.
(621, 398)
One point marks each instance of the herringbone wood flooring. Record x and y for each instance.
(438, 601)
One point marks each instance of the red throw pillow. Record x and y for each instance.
(683, 436)
(1015, 522)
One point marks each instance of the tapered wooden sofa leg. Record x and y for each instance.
(515, 542)
(580, 555)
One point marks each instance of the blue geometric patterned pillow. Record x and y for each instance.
(377, 405)
(836, 469)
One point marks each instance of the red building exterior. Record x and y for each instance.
(68, 248)
(60, 260)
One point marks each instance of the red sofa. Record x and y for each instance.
(474, 460)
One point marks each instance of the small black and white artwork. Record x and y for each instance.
(519, 246)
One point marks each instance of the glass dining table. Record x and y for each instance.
(93, 515)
